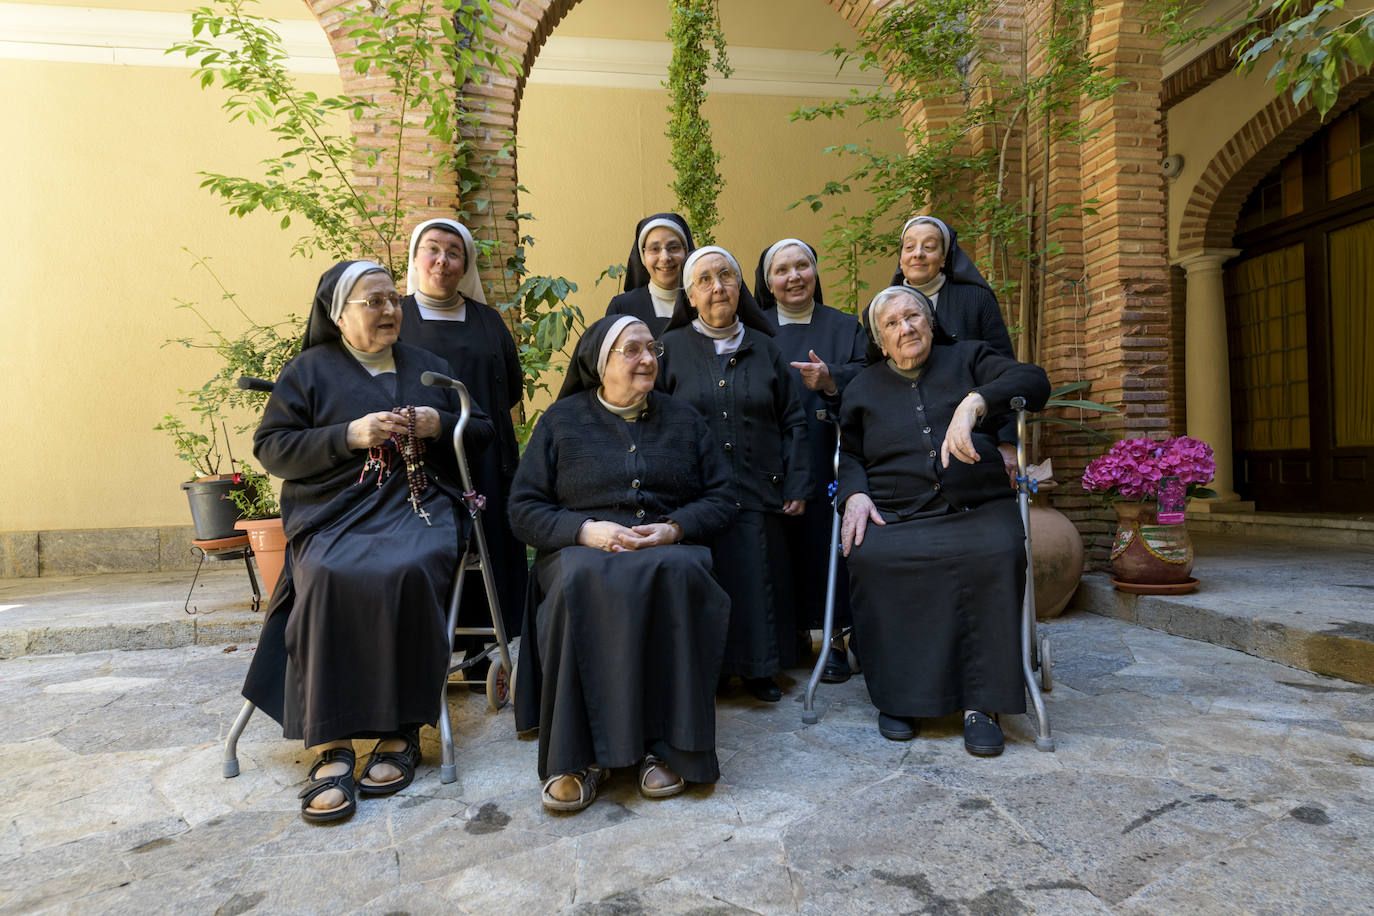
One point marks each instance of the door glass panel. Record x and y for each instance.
(1268, 341)
(1352, 334)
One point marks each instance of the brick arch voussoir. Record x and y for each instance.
(1280, 127)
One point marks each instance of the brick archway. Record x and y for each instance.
(1209, 216)
(522, 26)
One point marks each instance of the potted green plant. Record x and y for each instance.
(210, 493)
(261, 521)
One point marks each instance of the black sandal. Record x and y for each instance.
(405, 760)
(341, 781)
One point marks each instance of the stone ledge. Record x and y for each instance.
(81, 551)
(1346, 656)
(210, 630)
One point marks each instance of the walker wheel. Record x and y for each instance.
(1046, 665)
(498, 685)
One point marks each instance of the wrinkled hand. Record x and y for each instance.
(606, 536)
(858, 512)
(427, 425)
(794, 507)
(815, 374)
(375, 428)
(959, 437)
(652, 535)
(1008, 453)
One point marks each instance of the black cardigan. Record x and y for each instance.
(969, 312)
(892, 428)
(751, 403)
(584, 463)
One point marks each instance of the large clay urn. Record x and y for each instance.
(1057, 551)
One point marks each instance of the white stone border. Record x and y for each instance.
(137, 38)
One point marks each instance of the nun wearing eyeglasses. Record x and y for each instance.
(722, 360)
(620, 490)
(653, 272)
(354, 645)
(931, 531)
(446, 313)
(825, 348)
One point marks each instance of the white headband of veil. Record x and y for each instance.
(931, 221)
(653, 224)
(772, 253)
(347, 280)
(689, 267)
(471, 283)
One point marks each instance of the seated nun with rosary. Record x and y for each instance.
(355, 645)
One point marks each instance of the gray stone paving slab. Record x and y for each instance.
(1188, 778)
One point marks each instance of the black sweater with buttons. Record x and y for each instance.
(585, 463)
(892, 427)
(751, 401)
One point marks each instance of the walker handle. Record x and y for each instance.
(436, 380)
(248, 383)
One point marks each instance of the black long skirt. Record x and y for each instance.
(752, 566)
(936, 604)
(630, 648)
(356, 645)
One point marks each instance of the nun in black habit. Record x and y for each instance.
(354, 645)
(653, 272)
(935, 547)
(720, 358)
(620, 489)
(446, 313)
(826, 348)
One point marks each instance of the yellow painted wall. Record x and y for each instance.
(810, 25)
(102, 195)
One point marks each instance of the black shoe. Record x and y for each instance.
(898, 728)
(763, 688)
(982, 736)
(836, 669)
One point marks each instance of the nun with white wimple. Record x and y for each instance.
(653, 273)
(720, 357)
(446, 313)
(825, 348)
(621, 490)
(931, 262)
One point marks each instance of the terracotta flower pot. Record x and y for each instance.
(268, 541)
(1057, 552)
(1148, 554)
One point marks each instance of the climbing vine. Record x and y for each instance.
(697, 181)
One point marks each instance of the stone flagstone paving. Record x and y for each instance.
(1188, 779)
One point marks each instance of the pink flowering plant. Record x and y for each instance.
(1132, 469)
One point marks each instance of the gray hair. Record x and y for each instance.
(887, 295)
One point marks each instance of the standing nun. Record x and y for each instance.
(653, 274)
(720, 357)
(931, 262)
(827, 348)
(446, 313)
